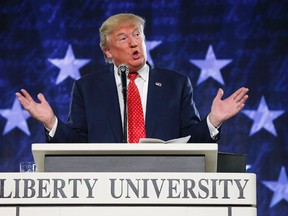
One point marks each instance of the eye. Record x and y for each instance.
(137, 34)
(122, 38)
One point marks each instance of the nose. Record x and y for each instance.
(133, 42)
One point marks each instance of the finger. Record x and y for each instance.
(240, 93)
(220, 94)
(18, 95)
(237, 92)
(241, 104)
(240, 107)
(41, 98)
(22, 100)
(244, 99)
(26, 95)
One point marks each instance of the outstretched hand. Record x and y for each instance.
(41, 111)
(222, 110)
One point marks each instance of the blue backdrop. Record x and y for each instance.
(46, 45)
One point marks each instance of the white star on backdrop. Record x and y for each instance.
(150, 45)
(280, 188)
(16, 117)
(69, 65)
(210, 66)
(263, 118)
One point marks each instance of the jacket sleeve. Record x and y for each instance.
(75, 131)
(191, 124)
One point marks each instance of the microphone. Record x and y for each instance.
(123, 73)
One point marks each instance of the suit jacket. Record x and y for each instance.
(95, 117)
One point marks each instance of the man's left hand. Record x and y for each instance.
(221, 110)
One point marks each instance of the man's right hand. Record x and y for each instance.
(40, 111)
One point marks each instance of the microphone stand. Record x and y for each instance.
(123, 72)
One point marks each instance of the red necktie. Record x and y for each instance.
(136, 125)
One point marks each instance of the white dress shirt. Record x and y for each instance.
(141, 82)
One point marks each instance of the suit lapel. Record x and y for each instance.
(154, 100)
(112, 105)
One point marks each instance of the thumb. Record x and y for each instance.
(41, 98)
(219, 94)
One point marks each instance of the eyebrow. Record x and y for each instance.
(120, 34)
(124, 33)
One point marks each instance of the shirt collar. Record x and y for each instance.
(143, 73)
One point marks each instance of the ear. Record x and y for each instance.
(107, 52)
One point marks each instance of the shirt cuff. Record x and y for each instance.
(213, 131)
(52, 132)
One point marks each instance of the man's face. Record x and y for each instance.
(126, 45)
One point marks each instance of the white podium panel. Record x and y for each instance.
(128, 188)
(238, 211)
(181, 194)
(139, 211)
(5, 210)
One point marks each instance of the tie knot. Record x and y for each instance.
(132, 76)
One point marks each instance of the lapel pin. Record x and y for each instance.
(158, 84)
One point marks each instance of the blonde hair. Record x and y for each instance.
(113, 22)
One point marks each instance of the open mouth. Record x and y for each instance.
(136, 54)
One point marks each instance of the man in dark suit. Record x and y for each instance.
(96, 111)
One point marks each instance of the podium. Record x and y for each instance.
(125, 157)
(160, 189)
